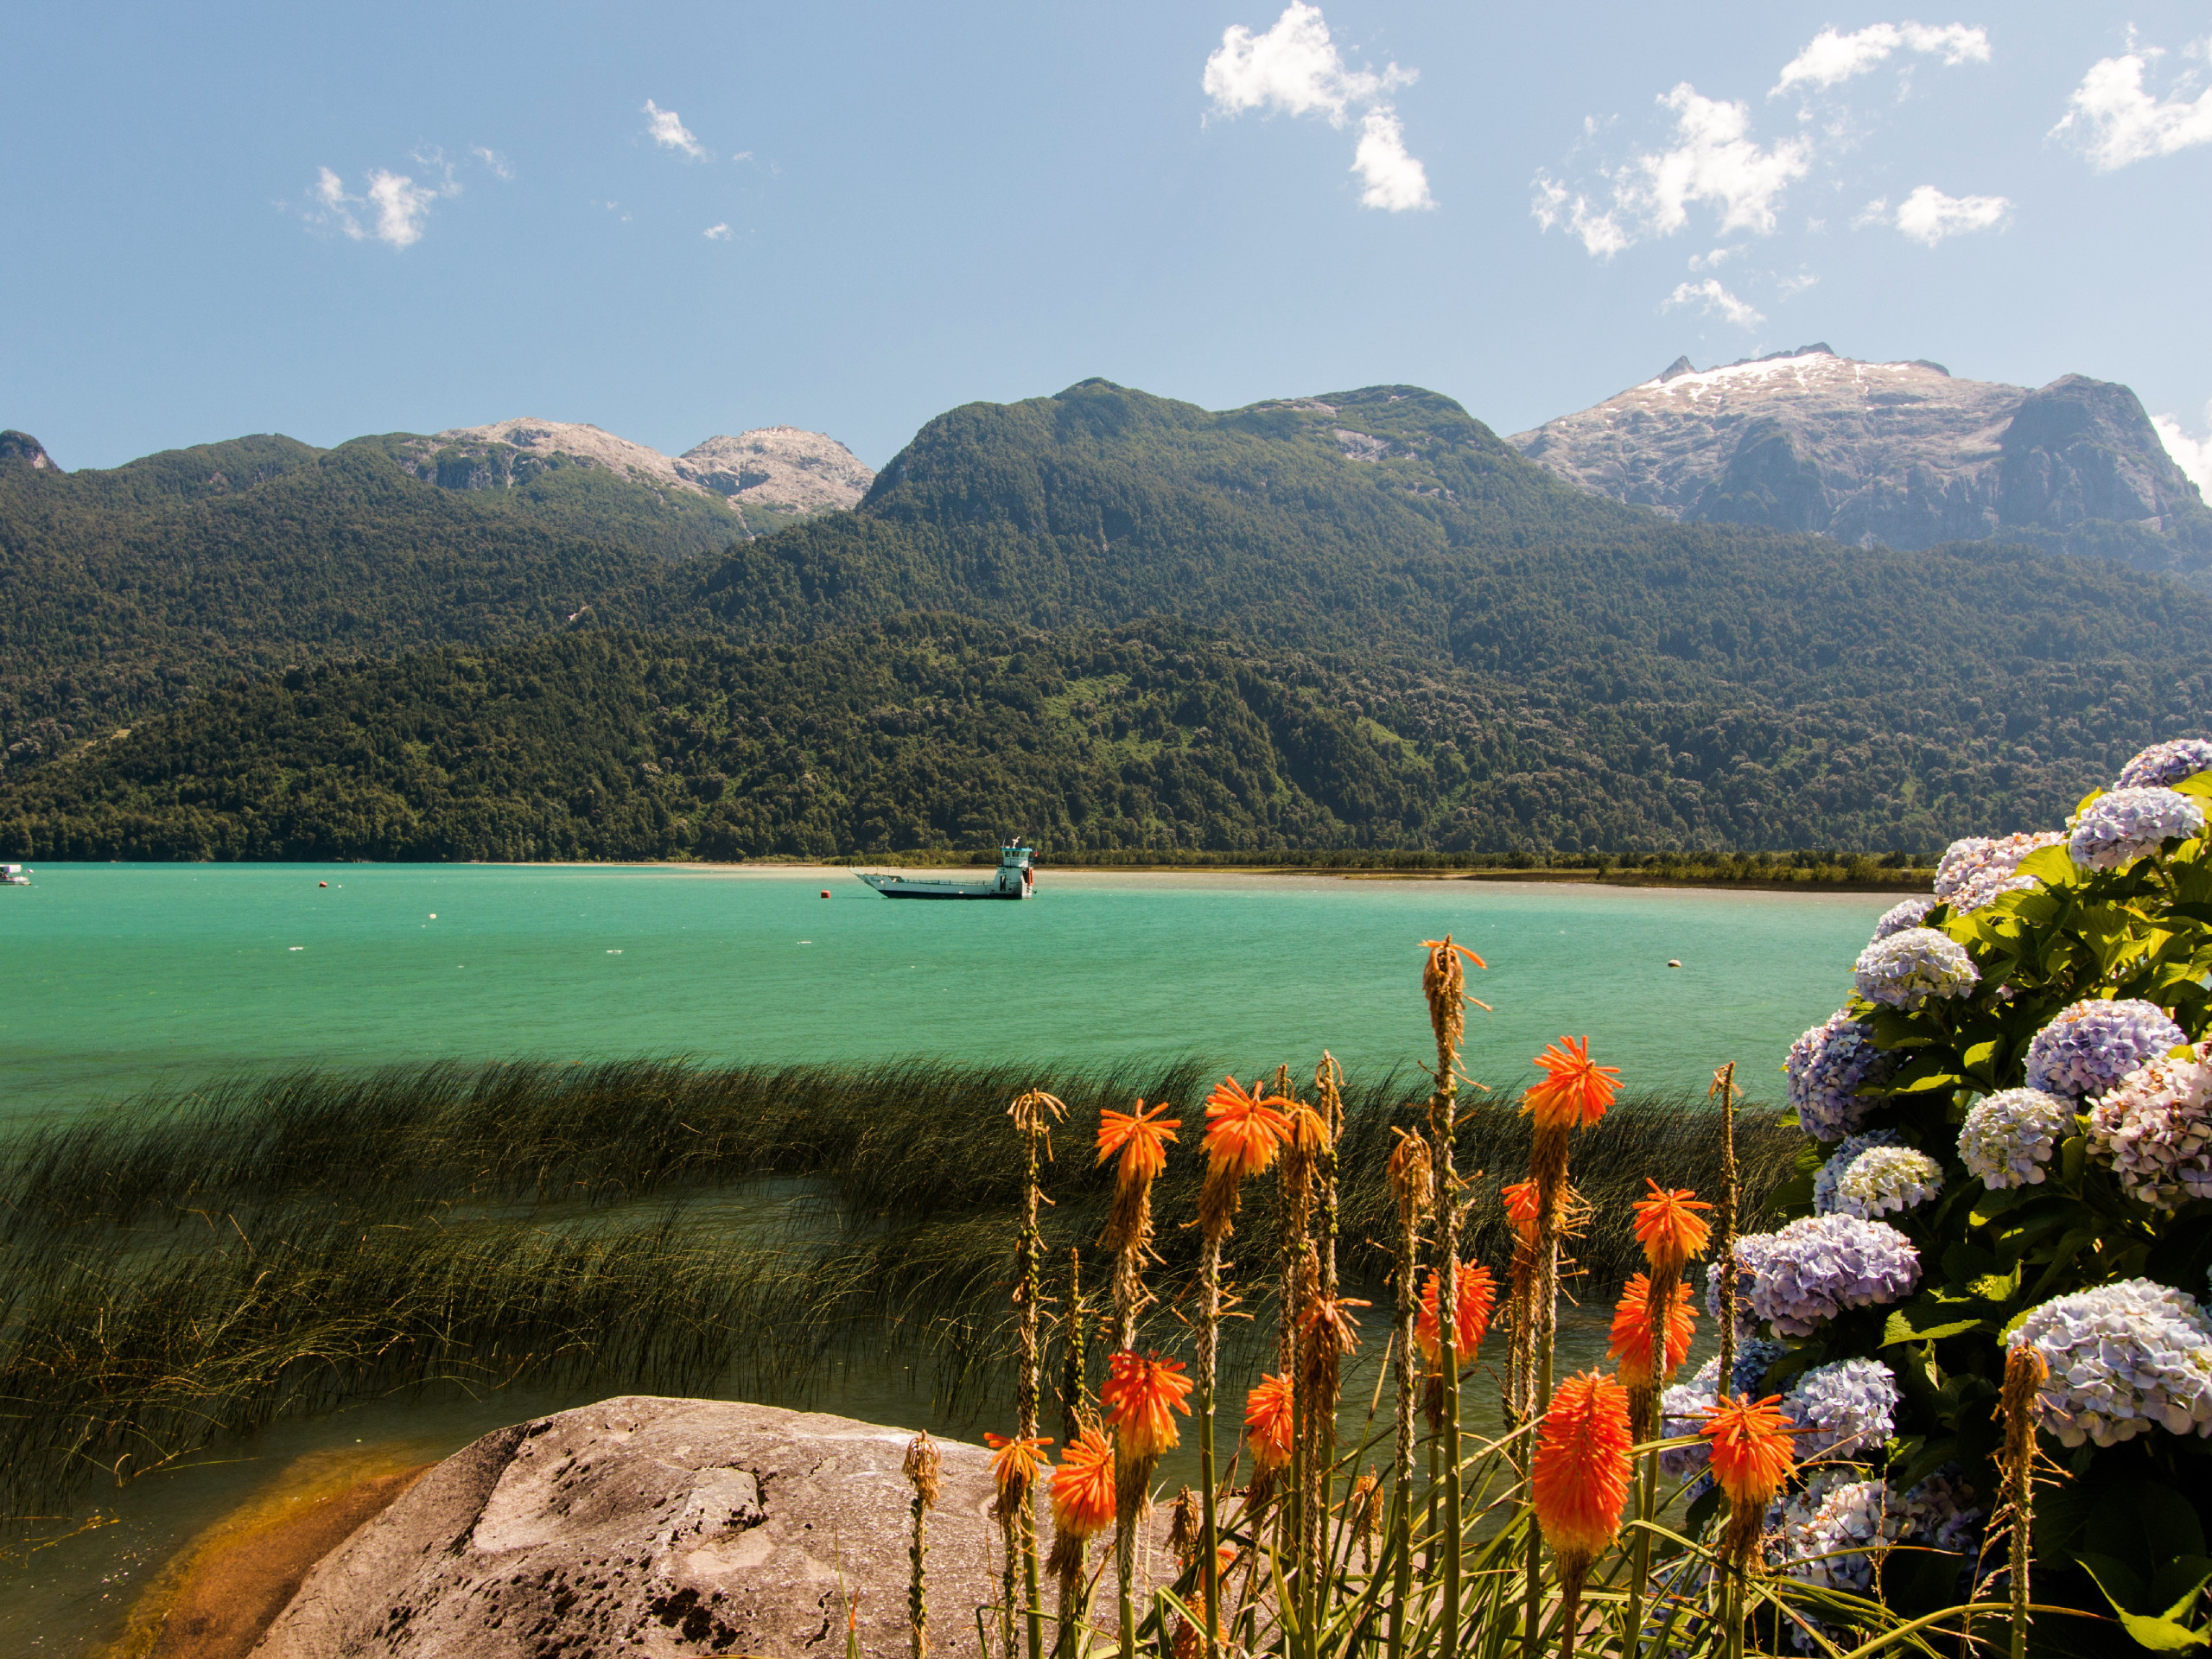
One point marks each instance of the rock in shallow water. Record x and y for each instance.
(653, 1527)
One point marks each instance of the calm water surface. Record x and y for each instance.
(125, 976)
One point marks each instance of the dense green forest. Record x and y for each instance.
(938, 732)
(1388, 631)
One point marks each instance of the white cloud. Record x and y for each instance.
(394, 206)
(1713, 161)
(1713, 300)
(1876, 212)
(717, 233)
(1601, 233)
(1834, 57)
(1793, 286)
(2193, 457)
(1715, 259)
(1294, 69)
(1394, 182)
(2117, 121)
(1928, 215)
(671, 133)
(493, 159)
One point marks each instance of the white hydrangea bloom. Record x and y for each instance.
(2008, 1137)
(2155, 1129)
(1883, 1180)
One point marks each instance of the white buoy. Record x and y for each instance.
(1674, 961)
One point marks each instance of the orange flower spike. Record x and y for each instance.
(1582, 1466)
(1574, 1092)
(1243, 1130)
(1752, 1448)
(1521, 1206)
(1477, 1296)
(1143, 1138)
(1141, 1396)
(1082, 1486)
(1633, 1331)
(1331, 1319)
(1016, 1464)
(1669, 1228)
(1456, 950)
(1267, 1423)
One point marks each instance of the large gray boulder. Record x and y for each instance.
(654, 1527)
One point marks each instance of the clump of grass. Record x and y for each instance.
(194, 1265)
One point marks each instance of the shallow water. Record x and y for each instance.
(126, 976)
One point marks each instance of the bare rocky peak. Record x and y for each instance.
(21, 449)
(778, 469)
(1899, 454)
(781, 469)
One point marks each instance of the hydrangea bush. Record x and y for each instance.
(2012, 1122)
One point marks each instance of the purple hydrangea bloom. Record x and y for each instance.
(2009, 1136)
(1906, 968)
(1897, 917)
(2155, 1129)
(1883, 1180)
(1846, 1406)
(2125, 1358)
(2125, 825)
(1826, 1067)
(1818, 1265)
(2089, 1047)
(2163, 765)
(1826, 1177)
(1978, 869)
(1940, 1513)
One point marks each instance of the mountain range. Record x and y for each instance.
(1359, 619)
(1896, 455)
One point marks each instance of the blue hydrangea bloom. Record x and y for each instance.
(2125, 825)
(1846, 1406)
(2008, 1137)
(1826, 1177)
(2125, 1358)
(1818, 1265)
(1831, 1532)
(1940, 1513)
(2089, 1047)
(2163, 765)
(1883, 1180)
(1826, 1067)
(1974, 871)
(1897, 917)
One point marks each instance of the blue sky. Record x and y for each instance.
(675, 220)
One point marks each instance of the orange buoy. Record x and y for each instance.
(323, 884)
(825, 892)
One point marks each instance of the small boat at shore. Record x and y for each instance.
(1014, 879)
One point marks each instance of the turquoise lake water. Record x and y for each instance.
(126, 976)
(123, 976)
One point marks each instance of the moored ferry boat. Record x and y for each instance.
(1014, 879)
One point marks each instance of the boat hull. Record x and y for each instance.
(998, 886)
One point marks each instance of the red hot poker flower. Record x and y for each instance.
(1471, 1311)
(1243, 1128)
(1752, 1448)
(1015, 1463)
(1633, 1331)
(1142, 1394)
(1083, 1486)
(1582, 1467)
(1143, 1138)
(1522, 1203)
(1574, 1092)
(1669, 1228)
(1267, 1423)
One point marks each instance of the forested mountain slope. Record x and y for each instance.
(940, 732)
